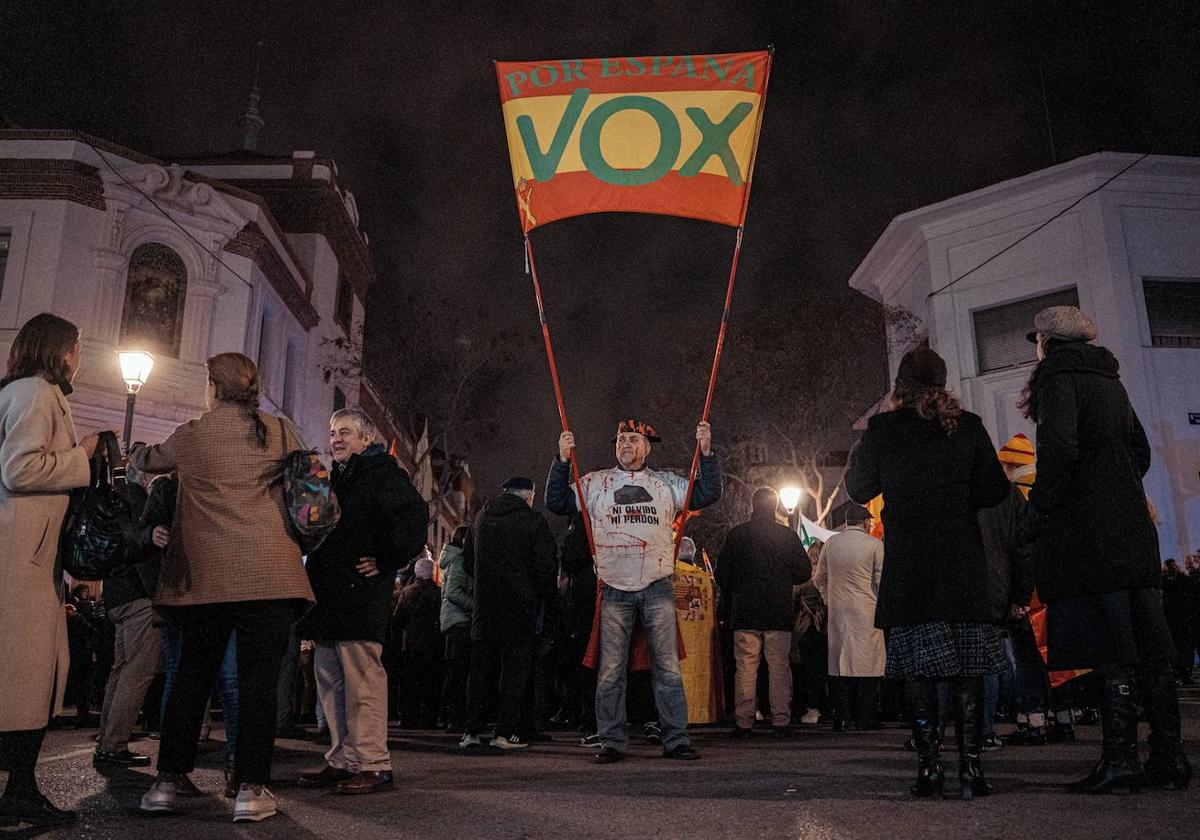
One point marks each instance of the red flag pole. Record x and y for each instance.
(562, 410)
(737, 250)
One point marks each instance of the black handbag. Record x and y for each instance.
(98, 516)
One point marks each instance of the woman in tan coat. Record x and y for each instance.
(40, 461)
(231, 564)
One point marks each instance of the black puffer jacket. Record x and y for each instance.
(125, 585)
(1090, 518)
(383, 517)
(932, 485)
(512, 556)
(758, 566)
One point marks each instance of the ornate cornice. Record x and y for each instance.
(252, 243)
(51, 179)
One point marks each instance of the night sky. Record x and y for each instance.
(874, 108)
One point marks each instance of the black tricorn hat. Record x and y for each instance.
(637, 427)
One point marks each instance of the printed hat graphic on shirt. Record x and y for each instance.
(637, 426)
(632, 494)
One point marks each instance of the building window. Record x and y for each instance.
(291, 377)
(155, 292)
(756, 454)
(339, 399)
(1173, 308)
(1000, 331)
(5, 240)
(344, 308)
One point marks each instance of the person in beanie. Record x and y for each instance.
(455, 623)
(936, 467)
(759, 564)
(382, 527)
(513, 559)
(416, 617)
(1097, 565)
(631, 509)
(848, 580)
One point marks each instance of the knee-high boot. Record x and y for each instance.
(968, 722)
(1168, 766)
(923, 702)
(1118, 766)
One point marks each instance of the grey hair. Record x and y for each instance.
(365, 427)
(524, 494)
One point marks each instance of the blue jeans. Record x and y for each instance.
(654, 607)
(227, 690)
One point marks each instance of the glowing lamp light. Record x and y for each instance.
(789, 497)
(135, 368)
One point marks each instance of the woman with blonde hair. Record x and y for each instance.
(935, 465)
(40, 461)
(231, 564)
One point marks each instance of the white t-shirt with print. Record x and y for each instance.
(631, 514)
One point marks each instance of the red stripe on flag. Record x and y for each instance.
(710, 198)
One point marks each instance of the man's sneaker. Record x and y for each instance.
(683, 752)
(652, 734)
(991, 744)
(254, 803)
(161, 797)
(470, 742)
(510, 742)
(590, 741)
(608, 755)
(119, 758)
(810, 717)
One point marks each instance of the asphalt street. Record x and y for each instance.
(817, 785)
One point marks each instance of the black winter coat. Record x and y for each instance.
(383, 517)
(932, 484)
(757, 568)
(125, 585)
(1009, 554)
(417, 617)
(1090, 517)
(512, 556)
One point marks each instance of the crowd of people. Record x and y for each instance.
(991, 596)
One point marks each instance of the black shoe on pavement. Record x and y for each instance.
(783, 732)
(34, 809)
(590, 741)
(608, 755)
(1027, 736)
(652, 733)
(991, 744)
(683, 752)
(1061, 733)
(119, 758)
(740, 733)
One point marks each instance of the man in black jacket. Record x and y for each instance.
(513, 557)
(382, 528)
(760, 563)
(127, 595)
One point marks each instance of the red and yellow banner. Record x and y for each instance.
(674, 135)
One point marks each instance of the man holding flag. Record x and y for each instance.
(631, 508)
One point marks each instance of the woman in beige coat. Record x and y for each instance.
(231, 564)
(40, 461)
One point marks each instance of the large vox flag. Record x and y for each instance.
(673, 135)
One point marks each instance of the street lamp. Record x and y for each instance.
(789, 497)
(135, 370)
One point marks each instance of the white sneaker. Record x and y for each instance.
(254, 804)
(811, 716)
(512, 742)
(160, 799)
(469, 741)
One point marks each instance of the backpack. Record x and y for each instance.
(308, 494)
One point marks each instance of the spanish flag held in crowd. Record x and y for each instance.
(1020, 459)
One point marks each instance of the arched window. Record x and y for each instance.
(154, 297)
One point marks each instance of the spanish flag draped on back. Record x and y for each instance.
(673, 135)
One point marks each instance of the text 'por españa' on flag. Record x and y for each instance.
(673, 135)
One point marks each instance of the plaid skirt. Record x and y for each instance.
(940, 649)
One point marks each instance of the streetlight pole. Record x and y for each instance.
(135, 370)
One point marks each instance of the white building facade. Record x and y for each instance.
(186, 259)
(1128, 254)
